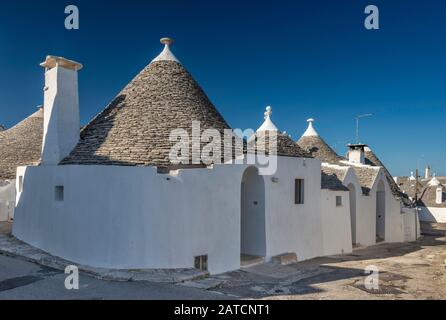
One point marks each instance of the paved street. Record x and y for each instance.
(407, 271)
(24, 280)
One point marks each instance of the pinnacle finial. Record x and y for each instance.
(166, 54)
(311, 132)
(167, 41)
(268, 112)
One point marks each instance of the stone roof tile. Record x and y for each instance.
(134, 129)
(21, 145)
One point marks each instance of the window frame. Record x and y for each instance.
(341, 202)
(299, 191)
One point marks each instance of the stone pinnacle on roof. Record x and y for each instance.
(166, 54)
(311, 132)
(268, 125)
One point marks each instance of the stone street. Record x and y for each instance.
(406, 271)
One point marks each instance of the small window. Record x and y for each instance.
(299, 193)
(59, 193)
(338, 201)
(20, 183)
(201, 263)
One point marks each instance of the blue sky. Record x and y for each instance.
(308, 58)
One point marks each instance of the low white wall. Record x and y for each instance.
(290, 227)
(411, 224)
(131, 218)
(336, 226)
(366, 220)
(395, 226)
(7, 199)
(433, 214)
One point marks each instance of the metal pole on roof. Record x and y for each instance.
(357, 124)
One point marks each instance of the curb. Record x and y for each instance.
(12, 247)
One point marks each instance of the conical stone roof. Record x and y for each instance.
(268, 136)
(312, 143)
(135, 128)
(21, 145)
(373, 160)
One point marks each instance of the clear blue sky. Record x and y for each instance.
(308, 58)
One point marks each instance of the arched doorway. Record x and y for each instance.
(352, 195)
(381, 212)
(253, 232)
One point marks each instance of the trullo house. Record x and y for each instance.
(379, 211)
(111, 196)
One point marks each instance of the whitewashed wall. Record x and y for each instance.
(350, 178)
(127, 218)
(411, 224)
(432, 214)
(292, 228)
(366, 215)
(336, 226)
(366, 220)
(7, 199)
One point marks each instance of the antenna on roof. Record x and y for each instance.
(357, 124)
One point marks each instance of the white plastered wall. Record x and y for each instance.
(433, 214)
(127, 218)
(131, 218)
(411, 224)
(350, 178)
(290, 227)
(336, 226)
(396, 225)
(7, 199)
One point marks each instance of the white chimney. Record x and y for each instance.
(427, 174)
(61, 109)
(356, 153)
(439, 197)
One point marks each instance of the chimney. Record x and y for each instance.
(439, 197)
(356, 153)
(427, 174)
(61, 109)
